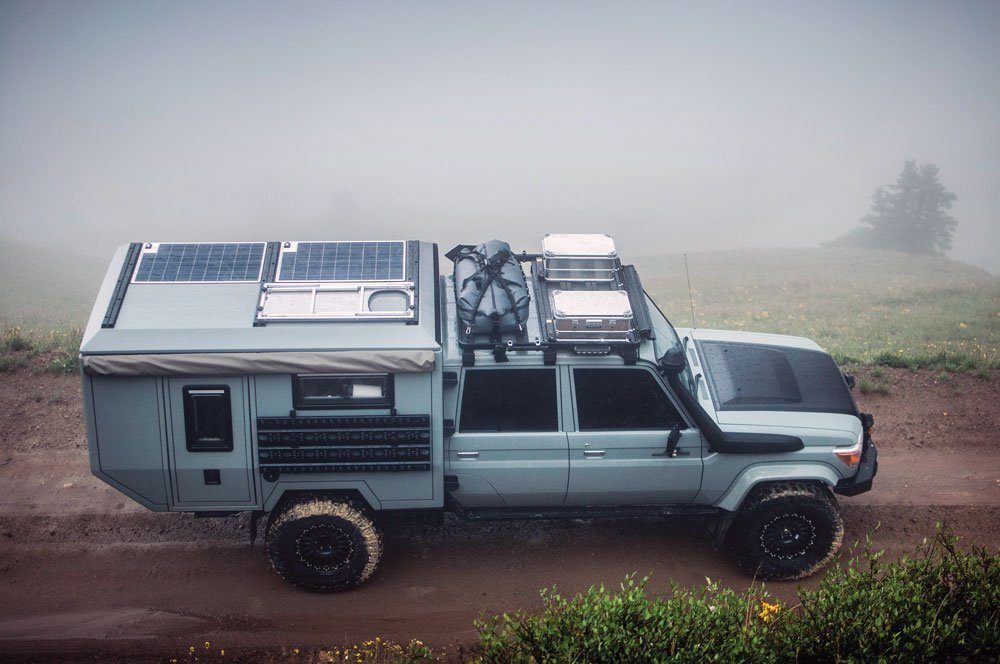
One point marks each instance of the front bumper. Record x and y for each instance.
(867, 469)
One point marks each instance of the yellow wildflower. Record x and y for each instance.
(768, 611)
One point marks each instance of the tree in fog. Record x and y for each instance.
(910, 215)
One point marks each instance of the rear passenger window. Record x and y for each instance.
(509, 400)
(622, 399)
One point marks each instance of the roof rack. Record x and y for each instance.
(573, 326)
(587, 303)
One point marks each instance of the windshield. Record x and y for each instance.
(666, 335)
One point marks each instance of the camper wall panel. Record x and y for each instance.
(396, 456)
(412, 393)
(273, 395)
(129, 432)
(403, 490)
(213, 478)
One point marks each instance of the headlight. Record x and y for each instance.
(851, 456)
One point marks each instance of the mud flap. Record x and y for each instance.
(721, 526)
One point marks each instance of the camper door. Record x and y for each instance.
(209, 448)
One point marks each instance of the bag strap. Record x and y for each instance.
(492, 266)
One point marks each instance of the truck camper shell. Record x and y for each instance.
(170, 345)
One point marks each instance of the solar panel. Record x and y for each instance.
(343, 261)
(200, 262)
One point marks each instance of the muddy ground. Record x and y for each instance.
(85, 572)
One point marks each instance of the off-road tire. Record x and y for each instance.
(787, 531)
(323, 545)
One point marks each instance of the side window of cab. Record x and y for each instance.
(622, 398)
(496, 400)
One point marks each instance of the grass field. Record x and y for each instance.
(862, 306)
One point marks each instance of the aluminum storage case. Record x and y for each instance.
(570, 257)
(592, 315)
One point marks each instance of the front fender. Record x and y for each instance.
(774, 472)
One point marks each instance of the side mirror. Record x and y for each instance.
(850, 381)
(673, 362)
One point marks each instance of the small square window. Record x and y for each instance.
(208, 418)
(342, 391)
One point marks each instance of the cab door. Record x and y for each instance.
(210, 461)
(509, 449)
(623, 418)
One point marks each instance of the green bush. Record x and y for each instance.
(941, 605)
(710, 625)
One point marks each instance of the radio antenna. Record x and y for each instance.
(694, 321)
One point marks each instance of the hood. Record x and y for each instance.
(763, 338)
(769, 372)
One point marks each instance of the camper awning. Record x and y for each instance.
(217, 364)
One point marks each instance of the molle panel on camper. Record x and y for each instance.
(490, 290)
(592, 315)
(350, 444)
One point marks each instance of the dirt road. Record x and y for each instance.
(84, 570)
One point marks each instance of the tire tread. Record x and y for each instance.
(324, 507)
(763, 497)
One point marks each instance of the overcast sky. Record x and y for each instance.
(674, 126)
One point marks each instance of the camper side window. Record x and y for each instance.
(340, 391)
(208, 418)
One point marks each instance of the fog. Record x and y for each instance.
(673, 126)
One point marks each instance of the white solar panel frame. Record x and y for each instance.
(292, 247)
(154, 247)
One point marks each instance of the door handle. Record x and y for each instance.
(468, 455)
(594, 454)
